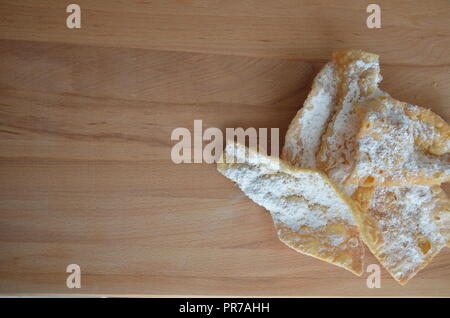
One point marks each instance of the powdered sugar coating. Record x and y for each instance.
(260, 180)
(395, 145)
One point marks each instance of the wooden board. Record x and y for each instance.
(85, 123)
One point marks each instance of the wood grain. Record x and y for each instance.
(294, 29)
(85, 123)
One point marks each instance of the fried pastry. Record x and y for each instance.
(310, 214)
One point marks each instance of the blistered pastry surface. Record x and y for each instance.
(404, 227)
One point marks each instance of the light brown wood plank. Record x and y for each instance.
(62, 101)
(413, 32)
(185, 78)
(149, 226)
(136, 74)
(134, 108)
